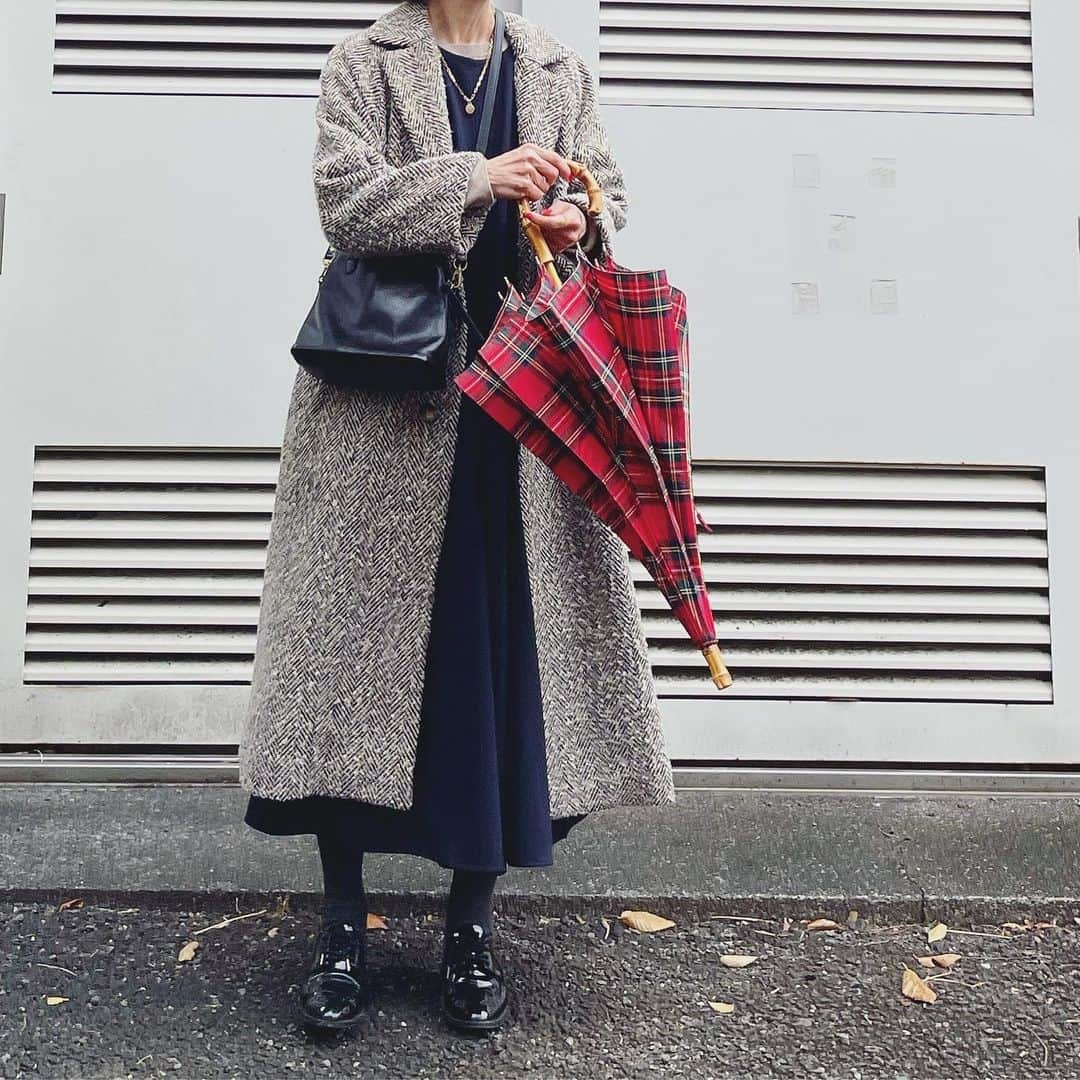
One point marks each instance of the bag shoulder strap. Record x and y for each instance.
(492, 82)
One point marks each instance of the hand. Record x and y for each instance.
(526, 172)
(562, 223)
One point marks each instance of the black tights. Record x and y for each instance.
(470, 899)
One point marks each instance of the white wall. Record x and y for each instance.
(160, 250)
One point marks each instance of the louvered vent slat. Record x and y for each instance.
(768, 627)
(254, 47)
(146, 564)
(885, 658)
(1013, 689)
(924, 583)
(919, 583)
(969, 56)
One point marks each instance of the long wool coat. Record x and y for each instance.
(365, 476)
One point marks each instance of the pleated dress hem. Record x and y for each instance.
(317, 813)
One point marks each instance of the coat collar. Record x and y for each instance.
(413, 69)
(408, 24)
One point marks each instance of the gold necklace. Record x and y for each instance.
(470, 108)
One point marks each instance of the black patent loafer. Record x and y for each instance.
(474, 988)
(334, 993)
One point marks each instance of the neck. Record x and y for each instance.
(461, 21)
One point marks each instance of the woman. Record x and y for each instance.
(450, 661)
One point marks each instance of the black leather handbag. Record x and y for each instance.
(388, 322)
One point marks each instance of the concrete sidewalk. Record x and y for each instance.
(911, 856)
(591, 1000)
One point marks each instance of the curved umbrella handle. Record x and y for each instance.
(536, 235)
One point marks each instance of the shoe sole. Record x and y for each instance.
(329, 1025)
(475, 1025)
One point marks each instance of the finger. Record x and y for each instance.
(548, 170)
(537, 176)
(553, 228)
(566, 213)
(560, 164)
(561, 219)
(545, 159)
(541, 181)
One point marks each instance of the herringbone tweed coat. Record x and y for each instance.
(365, 476)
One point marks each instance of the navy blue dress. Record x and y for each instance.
(480, 786)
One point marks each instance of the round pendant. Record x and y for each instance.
(470, 108)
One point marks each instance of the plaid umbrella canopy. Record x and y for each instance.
(592, 376)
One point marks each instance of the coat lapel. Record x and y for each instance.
(418, 93)
(538, 89)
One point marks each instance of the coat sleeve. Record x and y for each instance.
(369, 207)
(592, 149)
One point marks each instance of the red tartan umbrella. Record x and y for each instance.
(591, 375)
(523, 388)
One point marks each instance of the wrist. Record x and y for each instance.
(480, 192)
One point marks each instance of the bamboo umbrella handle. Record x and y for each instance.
(536, 235)
(717, 669)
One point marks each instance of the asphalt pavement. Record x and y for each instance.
(591, 998)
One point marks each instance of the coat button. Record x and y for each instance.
(430, 412)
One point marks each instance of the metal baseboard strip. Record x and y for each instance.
(22, 768)
(34, 766)
(883, 781)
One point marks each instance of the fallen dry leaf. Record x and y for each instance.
(733, 960)
(852, 918)
(821, 924)
(916, 988)
(273, 931)
(53, 1000)
(645, 921)
(75, 902)
(377, 922)
(941, 960)
(722, 1006)
(946, 959)
(936, 932)
(187, 952)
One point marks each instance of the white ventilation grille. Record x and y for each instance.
(853, 581)
(847, 581)
(146, 565)
(968, 56)
(266, 47)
